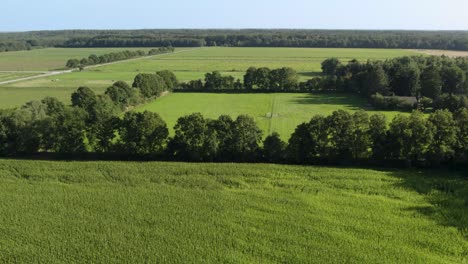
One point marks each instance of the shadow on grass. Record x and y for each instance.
(310, 74)
(446, 191)
(347, 100)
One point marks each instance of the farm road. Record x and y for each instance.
(34, 77)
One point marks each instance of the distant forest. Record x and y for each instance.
(446, 40)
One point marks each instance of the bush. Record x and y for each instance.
(274, 148)
(393, 103)
(425, 103)
(451, 102)
(142, 133)
(150, 85)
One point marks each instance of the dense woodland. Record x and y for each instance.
(401, 83)
(448, 40)
(94, 124)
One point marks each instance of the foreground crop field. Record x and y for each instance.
(280, 112)
(102, 212)
(188, 64)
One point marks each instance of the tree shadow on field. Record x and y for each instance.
(348, 100)
(310, 74)
(446, 191)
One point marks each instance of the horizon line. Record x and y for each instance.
(230, 29)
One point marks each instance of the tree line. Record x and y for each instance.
(92, 124)
(446, 40)
(260, 79)
(439, 82)
(280, 38)
(6, 46)
(93, 59)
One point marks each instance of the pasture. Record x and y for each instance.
(273, 112)
(188, 65)
(102, 212)
(50, 58)
(306, 61)
(6, 76)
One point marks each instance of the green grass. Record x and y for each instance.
(104, 212)
(304, 60)
(189, 65)
(50, 58)
(6, 76)
(14, 97)
(280, 112)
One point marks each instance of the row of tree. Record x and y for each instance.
(434, 81)
(446, 40)
(145, 87)
(123, 96)
(277, 38)
(342, 136)
(405, 76)
(92, 124)
(265, 79)
(161, 50)
(282, 79)
(441, 138)
(115, 56)
(153, 85)
(213, 81)
(6, 46)
(93, 59)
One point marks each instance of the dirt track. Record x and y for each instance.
(34, 77)
(449, 53)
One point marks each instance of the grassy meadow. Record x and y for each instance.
(49, 58)
(6, 76)
(277, 112)
(187, 65)
(306, 61)
(102, 212)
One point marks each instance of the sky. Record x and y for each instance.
(25, 15)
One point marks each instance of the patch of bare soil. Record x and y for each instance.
(448, 53)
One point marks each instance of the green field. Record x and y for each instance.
(50, 58)
(306, 61)
(104, 212)
(6, 76)
(187, 65)
(280, 112)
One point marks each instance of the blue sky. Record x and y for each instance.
(22, 15)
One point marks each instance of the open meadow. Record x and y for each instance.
(6, 76)
(49, 58)
(235, 61)
(188, 65)
(102, 212)
(273, 112)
